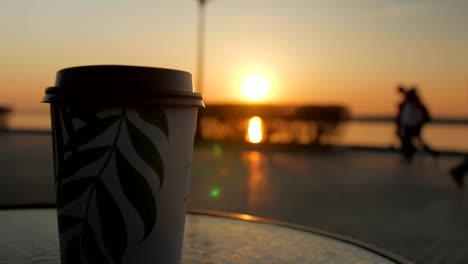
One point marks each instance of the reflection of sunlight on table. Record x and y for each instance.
(246, 217)
(257, 183)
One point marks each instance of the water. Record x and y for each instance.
(453, 137)
(29, 120)
(450, 137)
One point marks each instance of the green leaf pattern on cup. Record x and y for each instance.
(72, 185)
(71, 190)
(146, 150)
(155, 117)
(137, 191)
(72, 250)
(89, 247)
(89, 132)
(67, 222)
(112, 223)
(79, 160)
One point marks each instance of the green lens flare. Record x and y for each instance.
(215, 192)
(217, 150)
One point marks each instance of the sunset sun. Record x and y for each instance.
(255, 87)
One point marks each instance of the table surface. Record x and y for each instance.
(31, 236)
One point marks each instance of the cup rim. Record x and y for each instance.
(122, 85)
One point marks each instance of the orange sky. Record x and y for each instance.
(311, 51)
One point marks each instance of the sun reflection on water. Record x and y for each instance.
(254, 132)
(257, 182)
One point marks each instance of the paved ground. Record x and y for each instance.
(414, 210)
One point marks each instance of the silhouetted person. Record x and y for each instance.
(411, 118)
(459, 171)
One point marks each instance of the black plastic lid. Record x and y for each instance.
(123, 85)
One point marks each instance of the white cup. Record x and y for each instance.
(123, 143)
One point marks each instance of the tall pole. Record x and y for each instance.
(200, 61)
(201, 46)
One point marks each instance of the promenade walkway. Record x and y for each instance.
(414, 210)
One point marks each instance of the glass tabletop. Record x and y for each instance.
(31, 236)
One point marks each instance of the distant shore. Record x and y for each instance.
(385, 119)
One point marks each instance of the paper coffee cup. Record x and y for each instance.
(123, 143)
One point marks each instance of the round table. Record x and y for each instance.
(31, 236)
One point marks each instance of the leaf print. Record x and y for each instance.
(113, 227)
(89, 132)
(138, 192)
(86, 113)
(90, 247)
(67, 121)
(67, 222)
(147, 151)
(156, 117)
(71, 190)
(57, 141)
(79, 160)
(72, 250)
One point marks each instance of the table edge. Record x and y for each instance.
(250, 218)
